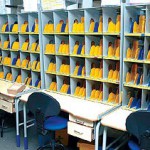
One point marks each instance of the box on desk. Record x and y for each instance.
(16, 88)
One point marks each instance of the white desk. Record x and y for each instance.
(115, 120)
(7, 100)
(81, 108)
(88, 110)
(4, 85)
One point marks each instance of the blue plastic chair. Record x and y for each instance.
(46, 110)
(133, 146)
(138, 125)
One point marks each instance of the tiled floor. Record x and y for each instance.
(8, 142)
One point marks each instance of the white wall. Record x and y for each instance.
(30, 5)
(2, 6)
(5, 10)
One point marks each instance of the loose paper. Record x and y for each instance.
(53, 4)
(110, 2)
(30, 5)
(139, 1)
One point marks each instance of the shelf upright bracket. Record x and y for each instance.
(39, 6)
(122, 45)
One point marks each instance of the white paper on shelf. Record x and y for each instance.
(30, 5)
(139, 1)
(53, 4)
(110, 2)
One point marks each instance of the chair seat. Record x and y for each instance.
(133, 146)
(55, 123)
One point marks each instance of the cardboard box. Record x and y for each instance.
(85, 146)
(16, 88)
(62, 136)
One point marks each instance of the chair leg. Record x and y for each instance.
(61, 147)
(45, 147)
(52, 146)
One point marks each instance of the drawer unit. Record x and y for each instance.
(7, 106)
(80, 121)
(80, 131)
(7, 98)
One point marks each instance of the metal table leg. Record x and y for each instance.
(104, 138)
(17, 122)
(97, 135)
(25, 127)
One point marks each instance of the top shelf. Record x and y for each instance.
(25, 22)
(98, 21)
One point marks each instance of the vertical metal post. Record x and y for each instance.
(104, 138)
(41, 44)
(17, 122)
(25, 127)
(97, 128)
(122, 47)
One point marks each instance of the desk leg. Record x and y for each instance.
(25, 127)
(17, 122)
(104, 138)
(97, 135)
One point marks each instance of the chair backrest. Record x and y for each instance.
(42, 106)
(138, 124)
(43, 102)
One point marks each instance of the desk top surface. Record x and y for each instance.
(116, 119)
(80, 108)
(4, 85)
